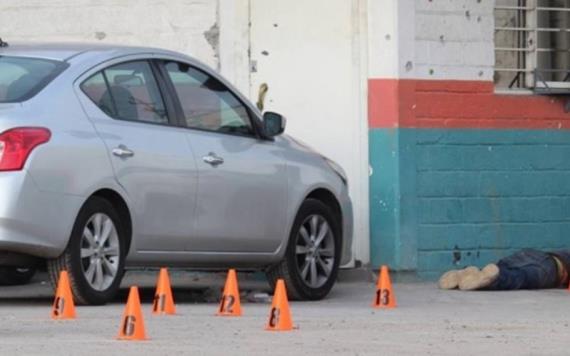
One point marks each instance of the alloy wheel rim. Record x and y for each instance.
(315, 251)
(100, 252)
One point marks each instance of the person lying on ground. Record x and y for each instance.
(527, 269)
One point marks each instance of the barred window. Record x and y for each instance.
(532, 45)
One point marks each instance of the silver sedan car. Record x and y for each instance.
(116, 157)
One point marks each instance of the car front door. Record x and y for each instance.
(242, 184)
(150, 156)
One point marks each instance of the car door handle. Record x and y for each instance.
(122, 151)
(213, 159)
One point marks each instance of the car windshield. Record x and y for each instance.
(21, 78)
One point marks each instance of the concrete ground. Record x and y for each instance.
(426, 321)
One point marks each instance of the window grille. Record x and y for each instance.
(532, 45)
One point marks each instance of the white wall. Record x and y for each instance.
(454, 39)
(234, 42)
(391, 30)
(176, 24)
(439, 39)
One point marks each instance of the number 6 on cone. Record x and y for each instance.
(132, 324)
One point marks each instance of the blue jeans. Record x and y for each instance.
(527, 269)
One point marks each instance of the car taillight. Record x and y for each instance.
(17, 144)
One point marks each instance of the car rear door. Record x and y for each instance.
(242, 189)
(150, 156)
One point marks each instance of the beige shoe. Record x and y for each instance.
(451, 279)
(482, 279)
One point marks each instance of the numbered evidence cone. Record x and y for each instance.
(63, 306)
(132, 324)
(163, 301)
(280, 315)
(230, 304)
(384, 297)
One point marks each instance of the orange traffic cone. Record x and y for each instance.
(132, 324)
(230, 304)
(280, 315)
(163, 300)
(63, 306)
(384, 298)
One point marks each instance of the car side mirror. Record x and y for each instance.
(273, 123)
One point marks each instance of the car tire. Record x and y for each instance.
(14, 276)
(95, 255)
(310, 267)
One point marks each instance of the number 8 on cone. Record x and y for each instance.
(280, 315)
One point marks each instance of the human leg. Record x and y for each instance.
(527, 269)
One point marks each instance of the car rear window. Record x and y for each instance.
(21, 77)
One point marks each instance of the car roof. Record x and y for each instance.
(65, 51)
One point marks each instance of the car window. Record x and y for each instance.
(206, 102)
(127, 91)
(21, 78)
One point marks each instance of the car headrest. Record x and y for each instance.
(127, 79)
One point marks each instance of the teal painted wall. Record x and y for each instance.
(393, 235)
(442, 199)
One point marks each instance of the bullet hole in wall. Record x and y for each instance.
(100, 35)
(456, 255)
(212, 36)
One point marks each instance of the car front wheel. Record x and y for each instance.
(310, 265)
(94, 257)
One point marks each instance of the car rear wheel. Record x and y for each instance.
(310, 265)
(94, 257)
(13, 276)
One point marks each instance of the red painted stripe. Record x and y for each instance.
(454, 86)
(459, 104)
(390, 101)
(383, 103)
